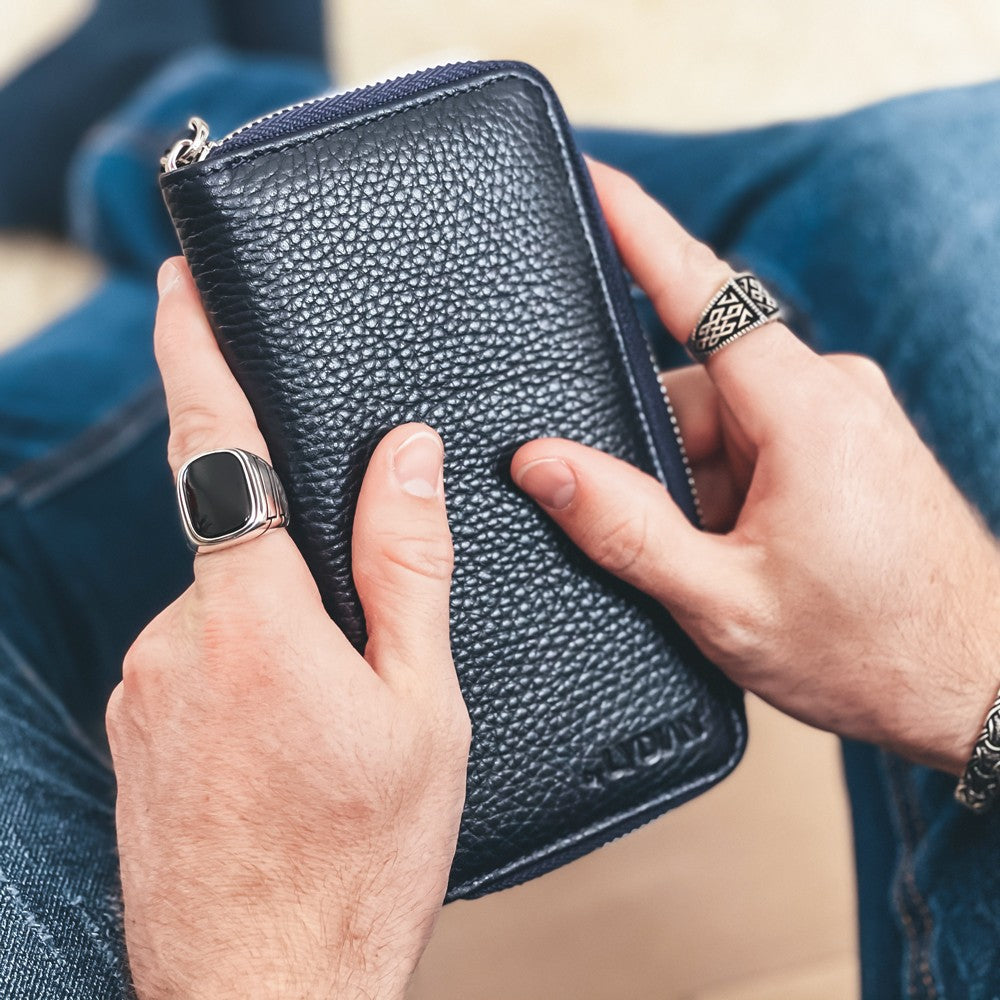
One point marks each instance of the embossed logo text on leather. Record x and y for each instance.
(643, 750)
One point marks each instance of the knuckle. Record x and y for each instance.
(699, 258)
(840, 410)
(827, 416)
(189, 433)
(693, 263)
(237, 630)
(143, 657)
(114, 714)
(621, 543)
(739, 627)
(871, 409)
(145, 673)
(228, 592)
(736, 631)
(228, 629)
(432, 558)
(197, 427)
(866, 372)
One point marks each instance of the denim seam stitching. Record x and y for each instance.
(98, 934)
(42, 478)
(34, 924)
(908, 897)
(923, 941)
(34, 679)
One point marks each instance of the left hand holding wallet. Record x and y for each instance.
(287, 809)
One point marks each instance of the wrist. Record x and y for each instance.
(959, 711)
(974, 679)
(289, 960)
(357, 980)
(953, 755)
(944, 679)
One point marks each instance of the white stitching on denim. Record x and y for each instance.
(96, 932)
(45, 937)
(40, 931)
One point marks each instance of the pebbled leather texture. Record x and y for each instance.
(443, 259)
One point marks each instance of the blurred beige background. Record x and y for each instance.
(746, 893)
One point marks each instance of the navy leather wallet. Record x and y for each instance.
(431, 249)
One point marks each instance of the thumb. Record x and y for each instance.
(402, 555)
(627, 523)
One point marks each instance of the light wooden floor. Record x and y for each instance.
(746, 893)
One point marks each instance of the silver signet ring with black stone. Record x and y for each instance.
(742, 304)
(229, 496)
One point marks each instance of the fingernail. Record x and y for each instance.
(168, 276)
(417, 464)
(550, 481)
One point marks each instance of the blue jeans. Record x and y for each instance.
(879, 227)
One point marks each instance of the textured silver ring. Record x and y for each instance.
(742, 304)
(229, 496)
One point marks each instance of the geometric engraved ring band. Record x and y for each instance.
(742, 304)
(229, 496)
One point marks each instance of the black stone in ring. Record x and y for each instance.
(228, 496)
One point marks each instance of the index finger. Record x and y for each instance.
(756, 374)
(208, 411)
(207, 408)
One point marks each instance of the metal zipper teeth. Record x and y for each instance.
(316, 100)
(692, 485)
(212, 145)
(215, 143)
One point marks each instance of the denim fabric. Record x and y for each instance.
(115, 208)
(878, 228)
(90, 545)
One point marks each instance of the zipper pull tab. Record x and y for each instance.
(191, 149)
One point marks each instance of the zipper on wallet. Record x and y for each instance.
(188, 149)
(198, 144)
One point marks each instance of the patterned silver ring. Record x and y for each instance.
(228, 496)
(742, 304)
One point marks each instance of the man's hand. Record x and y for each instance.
(288, 809)
(845, 579)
